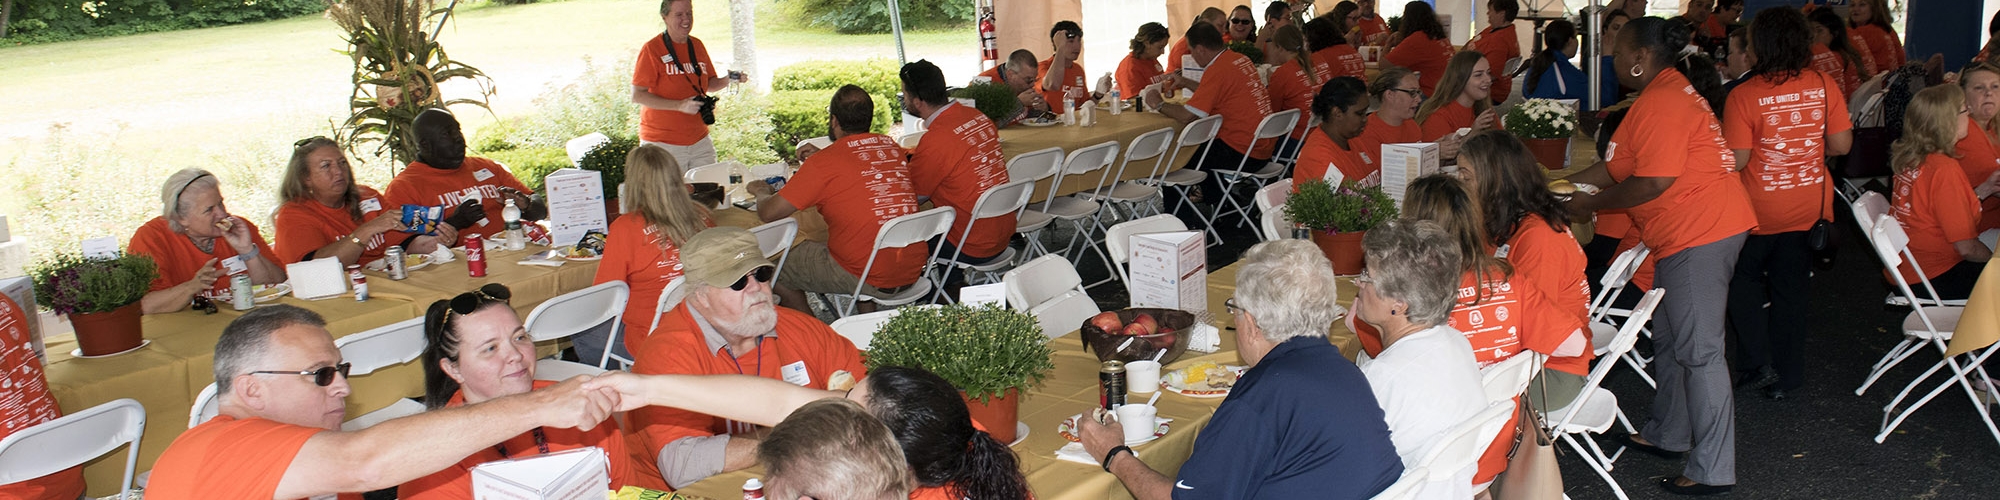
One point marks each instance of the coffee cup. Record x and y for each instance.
(1142, 376)
(1138, 421)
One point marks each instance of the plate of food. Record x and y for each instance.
(411, 262)
(1068, 430)
(1202, 380)
(1040, 122)
(571, 252)
(1107, 104)
(267, 293)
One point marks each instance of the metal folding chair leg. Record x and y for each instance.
(1958, 377)
(1603, 470)
(1903, 350)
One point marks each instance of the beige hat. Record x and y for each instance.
(719, 256)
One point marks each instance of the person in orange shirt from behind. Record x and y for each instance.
(327, 214)
(282, 391)
(471, 188)
(477, 351)
(1294, 82)
(1464, 100)
(28, 404)
(859, 183)
(643, 247)
(1342, 109)
(958, 160)
(1141, 67)
(1937, 206)
(1421, 45)
(1332, 50)
(1500, 43)
(197, 245)
(1229, 87)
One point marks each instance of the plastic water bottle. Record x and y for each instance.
(512, 216)
(1117, 101)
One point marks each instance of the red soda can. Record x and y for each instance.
(475, 256)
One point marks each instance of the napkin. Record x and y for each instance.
(543, 259)
(1074, 451)
(442, 255)
(1205, 338)
(317, 278)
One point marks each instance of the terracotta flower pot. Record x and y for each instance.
(1344, 249)
(997, 415)
(109, 332)
(1553, 154)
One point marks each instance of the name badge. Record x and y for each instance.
(233, 265)
(1502, 251)
(371, 205)
(795, 373)
(482, 175)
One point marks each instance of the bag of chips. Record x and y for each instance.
(419, 219)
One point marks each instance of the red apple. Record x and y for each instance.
(1152, 325)
(1163, 340)
(1107, 321)
(1136, 330)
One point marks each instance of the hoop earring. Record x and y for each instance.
(1636, 70)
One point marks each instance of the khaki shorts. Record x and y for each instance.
(1563, 388)
(701, 153)
(811, 268)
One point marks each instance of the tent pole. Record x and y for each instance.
(896, 24)
(1591, 56)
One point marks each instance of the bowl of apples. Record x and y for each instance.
(1138, 333)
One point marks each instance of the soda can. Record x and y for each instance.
(475, 256)
(1111, 384)
(359, 281)
(397, 269)
(239, 290)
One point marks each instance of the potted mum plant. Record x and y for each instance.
(1338, 217)
(100, 296)
(989, 353)
(993, 99)
(1546, 127)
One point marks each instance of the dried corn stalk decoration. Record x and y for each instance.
(398, 67)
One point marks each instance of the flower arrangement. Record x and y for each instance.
(1542, 119)
(993, 99)
(1346, 209)
(70, 283)
(983, 350)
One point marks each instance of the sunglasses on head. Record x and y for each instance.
(303, 142)
(321, 377)
(466, 303)
(762, 274)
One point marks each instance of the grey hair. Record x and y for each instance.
(1288, 286)
(834, 448)
(1414, 261)
(177, 185)
(247, 339)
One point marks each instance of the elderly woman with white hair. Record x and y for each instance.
(198, 245)
(1425, 378)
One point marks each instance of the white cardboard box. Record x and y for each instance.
(1169, 270)
(577, 474)
(1402, 163)
(22, 291)
(576, 205)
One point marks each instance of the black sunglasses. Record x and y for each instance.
(466, 303)
(1243, 21)
(321, 377)
(303, 142)
(762, 274)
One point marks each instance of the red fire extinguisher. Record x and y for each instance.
(989, 44)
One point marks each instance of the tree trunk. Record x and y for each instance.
(743, 39)
(6, 15)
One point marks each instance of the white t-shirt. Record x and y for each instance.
(1427, 383)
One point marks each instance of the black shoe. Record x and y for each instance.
(1627, 441)
(1669, 484)
(1763, 377)
(1776, 394)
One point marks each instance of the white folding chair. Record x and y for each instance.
(383, 347)
(1926, 325)
(1049, 288)
(1405, 487)
(1001, 200)
(1506, 379)
(573, 313)
(714, 172)
(1918, 326)
(1078, 210)
(1867, 207)
(861, 328)
(901, 232)
(1271, 199)
(1276, 225)
(1458, 450)
(1136, 196)
(910, 140)
(1274, 127)
(1117, 240)
(775, 239)
(583, 145)
(52, 446)
(1602, 309)
(1033, 166)
(819, 142)
(206, 406)
(1595, 408)
(1198, 133)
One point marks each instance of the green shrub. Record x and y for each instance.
(1248, 49)
(800, 114)
(599, 100)
(34, 21)
(530, 164)
(995, 100)
(609, 159)
(742, 128)
(1346, 209)
(878, 76)
(872, 16)
(496, 136)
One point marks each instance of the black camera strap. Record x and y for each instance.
(683, 64)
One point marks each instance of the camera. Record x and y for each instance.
(707, 108)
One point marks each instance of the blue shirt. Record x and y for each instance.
(1302, 423)
(1610, 91)
(1562, 81)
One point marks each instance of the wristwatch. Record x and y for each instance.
(356, 240)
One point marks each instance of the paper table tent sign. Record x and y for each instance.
(317, 278)
(1403, 163)
(565, 475)
(576, 205)
(1169, 270)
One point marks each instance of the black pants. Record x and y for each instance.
(1774, 269)
(1955, 284)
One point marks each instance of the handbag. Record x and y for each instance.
(1820, 237)
(1532, 472)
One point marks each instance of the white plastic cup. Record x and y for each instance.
(1142, 376)
(1138, 421)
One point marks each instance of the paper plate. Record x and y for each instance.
(1068, 431)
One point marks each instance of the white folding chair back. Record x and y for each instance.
(1078, 210)
(383, 347)
(1506, 379)
(582, 145)
(1276, 226)
(819, 142)
(1273, 127)
(573, 313)
(1868, 207)
(52, 446)
(670, 297)
(775, 239)
(1196, 133)
(206, 406)
(714, 172)
(897, 233)
(909, 141)
(861, 328)
(1602, 308)
(1118, 239)
(1596, 409)
(1271, 200)
(1460, 447)
(1001, 200)
(1065, 313)
(1926, 325)
(1131, 194)
(1049, 288)
(1035, 165)
(1405, 487)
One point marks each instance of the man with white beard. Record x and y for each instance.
(728, 325)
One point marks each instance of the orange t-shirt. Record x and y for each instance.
(1784, 125)
(1867, 59)
(1834, 66)
(1498, 45)
(1174, 53)
(1291, 89)
(179, 259)
(1378, 132)
(420, 184)
(1979, 159)
(1425, 55)
(1343, 60)
(1230, 86)
(1614, 223)
(1883, 47)
(666, 73)
(455, 482)
(1134, 74)
(1937, 207)
(958, 160)
(228, 459)
(638, 254)
(27, 403)
(1492, 325)
(305, 225)
(1447, 119)
(1074, 83)
(1320, 155)
(804, 351)
(859, 183)
(1550, 262)
(1372, 25)
(1671, 133)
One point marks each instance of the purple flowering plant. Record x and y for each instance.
(1346, 208)
(70, 283)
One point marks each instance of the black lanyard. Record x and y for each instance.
(682, 64)
(541, 442)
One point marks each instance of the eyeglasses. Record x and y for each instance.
(762, 274)
(1417, 93)
(321, 377)
(1229, 304)
(466, 303)
(1243, 21)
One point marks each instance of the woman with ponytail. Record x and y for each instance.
(1550, 74)
(1294, 82)
(1668, 165)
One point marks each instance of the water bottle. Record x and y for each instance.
(512, 216)
(1117, 101)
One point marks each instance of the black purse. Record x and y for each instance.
(1820, 237)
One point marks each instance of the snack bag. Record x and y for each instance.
(592, 242)
(419, 219)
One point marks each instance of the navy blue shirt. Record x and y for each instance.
(1562, 81)
(1302, 423)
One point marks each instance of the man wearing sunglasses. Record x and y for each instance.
(283, 389)
(728, 325)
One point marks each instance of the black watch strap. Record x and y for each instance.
(1114, 453)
